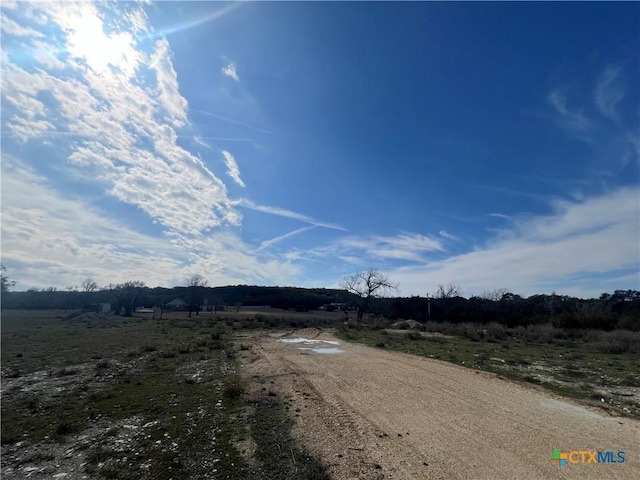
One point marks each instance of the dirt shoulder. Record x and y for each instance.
(373, 414)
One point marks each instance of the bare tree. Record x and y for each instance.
(84, 291)
(367, 284)
(89, 285)
(447, 291)
(494, 295)
(127, 295)
(196, 284)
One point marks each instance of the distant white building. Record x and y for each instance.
(104, 308)
(176, 304)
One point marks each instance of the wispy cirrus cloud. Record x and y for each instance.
(615, 144)
(449, 236)
(198, 139)
(231, 72)
(232, 168)
(231, 120)
(282, 212)
(406, 247)
(609, 91)
(571, 119)
(273, 241)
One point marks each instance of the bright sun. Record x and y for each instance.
(87, 40)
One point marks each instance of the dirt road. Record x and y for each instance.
(373, 414)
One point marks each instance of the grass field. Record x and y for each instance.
(115, 397)
(600, 368)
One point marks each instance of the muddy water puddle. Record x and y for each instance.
(314, 345)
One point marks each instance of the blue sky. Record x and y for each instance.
(488, 145)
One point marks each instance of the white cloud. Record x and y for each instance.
(120, 138)
(273, 241)
(230, 71)
(45, 54)
(113, 116)
(170, 96)
(543, 253)
(10, 27)
(282, 212)
(609, 91)
(198, 139)
(48, 239)
(10, 4)
(405, 246)
(232, 168)
(55, 240)
(138, 20)
(567, 118)
(24, 129)
(87, 41)
(449, 236)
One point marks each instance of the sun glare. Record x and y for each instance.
(87, 40)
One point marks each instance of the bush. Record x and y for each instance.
(495, 331)
(618, 341)
(233, 387)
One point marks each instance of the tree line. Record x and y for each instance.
(365, 291)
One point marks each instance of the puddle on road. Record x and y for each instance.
(319, 349)
(308, 341)
(323, 350)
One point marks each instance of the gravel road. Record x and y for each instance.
(373, 414)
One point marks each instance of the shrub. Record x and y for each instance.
(233, 387)
(495, 331)
(618, 341)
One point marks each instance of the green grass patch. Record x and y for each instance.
(159, 399)
(280, 456)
